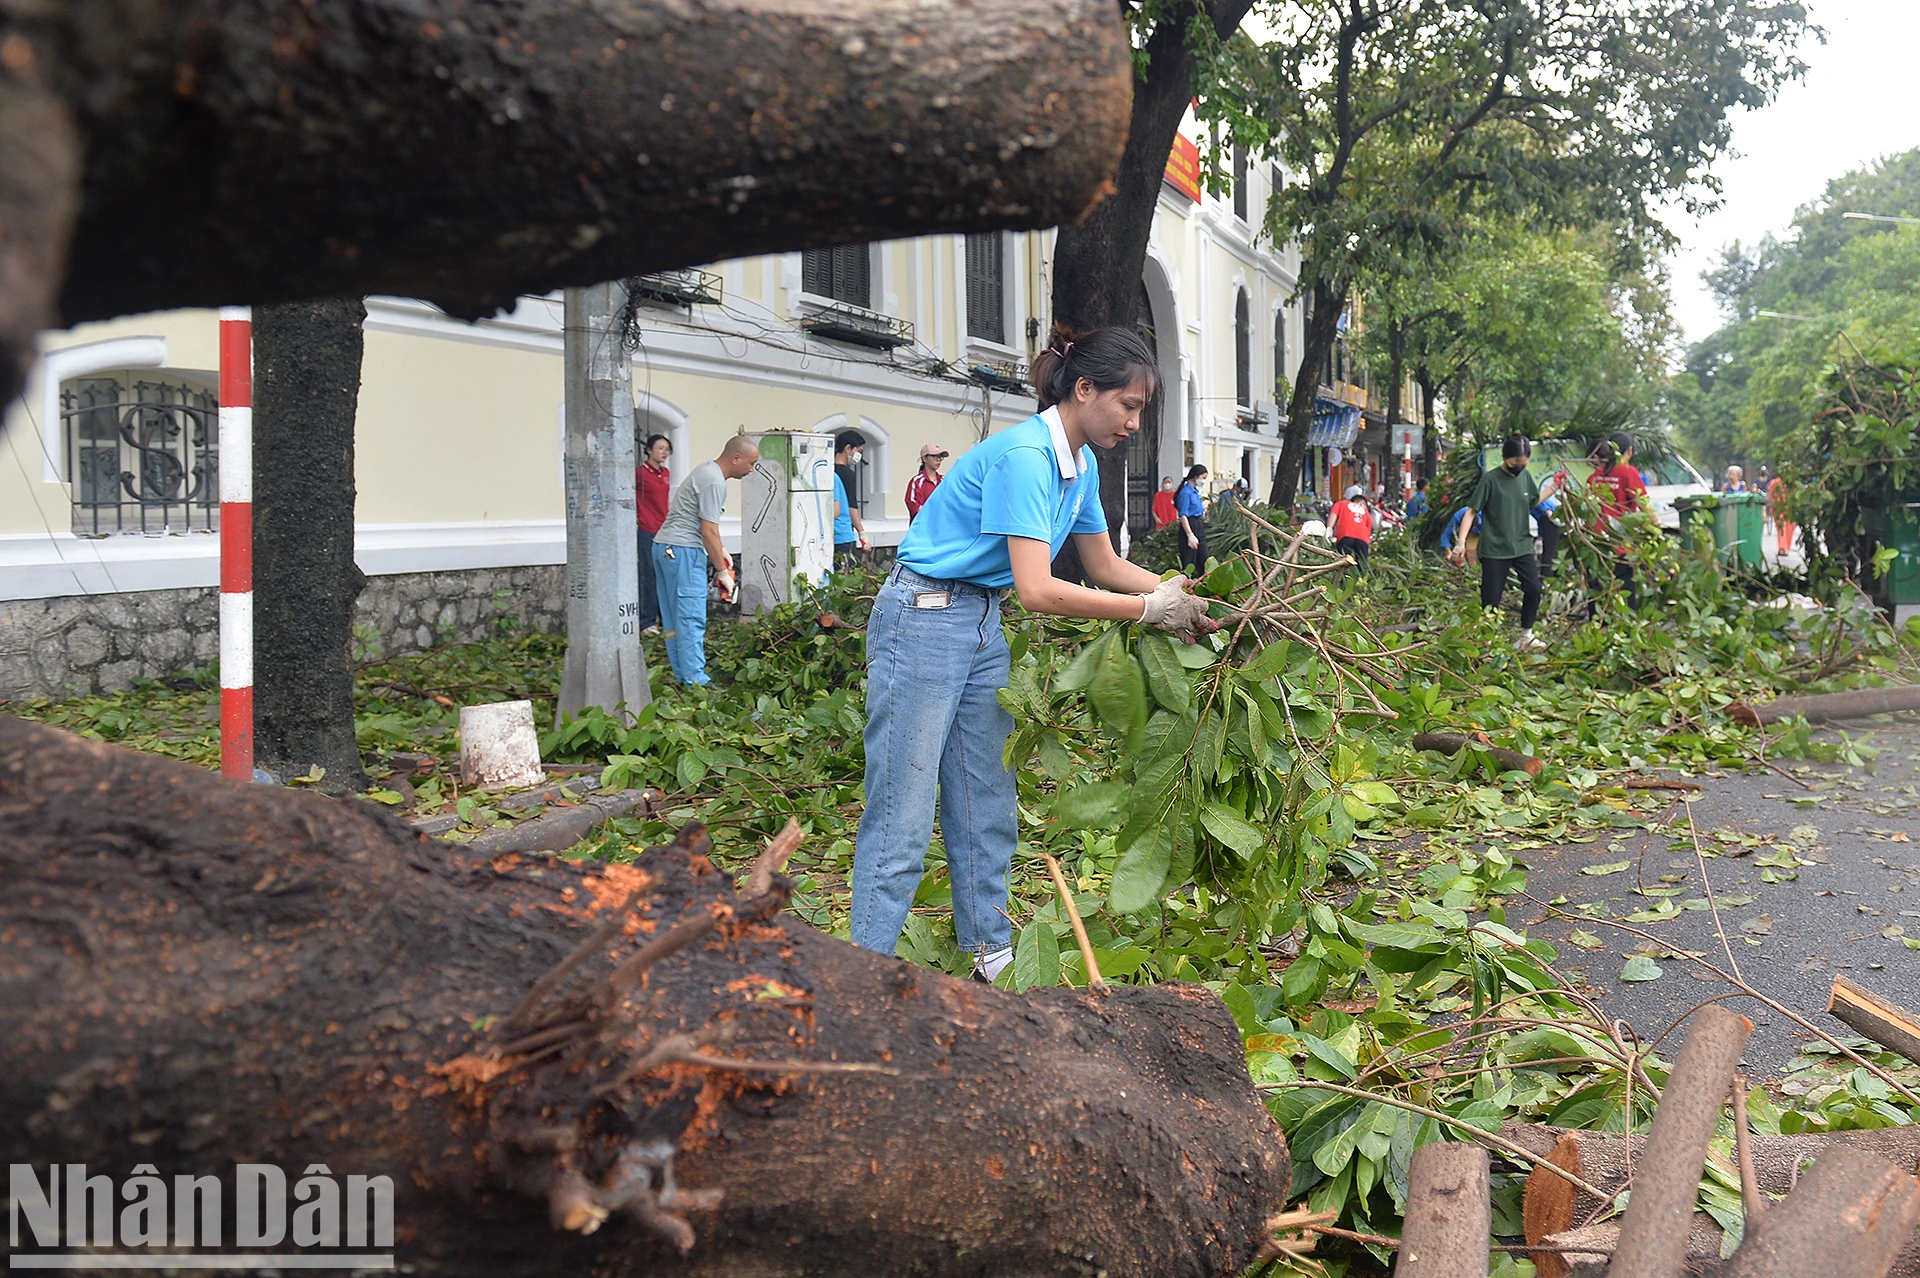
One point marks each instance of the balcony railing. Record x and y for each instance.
(1000, 375)
(688, 288)
(857, 326)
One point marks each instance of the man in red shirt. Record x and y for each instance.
(921, 486)
(652, 486)
(1353, 525)
(1620, 489)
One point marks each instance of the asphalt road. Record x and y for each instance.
(1841, 845)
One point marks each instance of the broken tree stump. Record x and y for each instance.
(1885, 1022)
(196, 973)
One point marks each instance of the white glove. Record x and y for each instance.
(1193, 542)
(1172, 609)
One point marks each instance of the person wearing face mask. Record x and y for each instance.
(1500, 505)
(849, 530)
(937, 654)
(652, 486)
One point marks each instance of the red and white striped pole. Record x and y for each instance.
(236, 542)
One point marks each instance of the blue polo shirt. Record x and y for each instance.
(1024, 482)
(843, 521)
(1188, 502)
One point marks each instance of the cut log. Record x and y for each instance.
(1888, 1024)
(1550, 1206)
(1835, 705)
(213, 973)
(1849, 1218)
(1653, 1237)
(1449, 1214)
(1455, 742)
(467, 151)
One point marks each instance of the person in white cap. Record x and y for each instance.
(1353, 525)
(921, 486)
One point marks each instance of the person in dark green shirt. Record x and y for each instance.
(1500, 506)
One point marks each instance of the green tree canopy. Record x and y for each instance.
(1749, 389)
(1398, 119)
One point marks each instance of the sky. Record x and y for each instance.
(1855, 104)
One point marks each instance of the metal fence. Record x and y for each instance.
(143, 455)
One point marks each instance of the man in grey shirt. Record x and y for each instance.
(688, 540)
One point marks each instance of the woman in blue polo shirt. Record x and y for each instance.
(1191, 511)
(937, 655)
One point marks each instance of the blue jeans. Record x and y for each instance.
(649, 590)
(681, 582)
(934, 719)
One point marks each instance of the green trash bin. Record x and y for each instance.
(1738, 525)
(1903, 578)
(1696, 513)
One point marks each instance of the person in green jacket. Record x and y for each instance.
(1501, 505)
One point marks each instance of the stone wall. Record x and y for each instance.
(82, 644)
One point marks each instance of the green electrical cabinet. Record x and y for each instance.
(1903, 578)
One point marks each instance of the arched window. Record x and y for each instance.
(1242, 351)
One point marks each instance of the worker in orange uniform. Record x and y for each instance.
(1353, 525)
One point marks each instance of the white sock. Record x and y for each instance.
(993, 962)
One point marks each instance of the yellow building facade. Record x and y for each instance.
(108, 552)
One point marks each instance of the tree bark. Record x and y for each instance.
(1396, 392)
(211, 973)
(1099, 259)
(467, 151)
(1653, 1236)
(1429, 427)
(1322, 328)
(306, 388)
(1449, 1213)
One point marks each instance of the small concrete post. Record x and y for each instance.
(605, 666)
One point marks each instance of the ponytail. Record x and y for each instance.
(1604, 453)
(1109, 358)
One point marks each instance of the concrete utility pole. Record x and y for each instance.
(605, 666)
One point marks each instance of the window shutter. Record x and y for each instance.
(844, 274)
(987, 286)
(1242, 351)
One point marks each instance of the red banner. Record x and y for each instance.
(1183, 168)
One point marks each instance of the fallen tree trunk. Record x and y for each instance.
(197, 973)
(1835, 705)
(466, 151)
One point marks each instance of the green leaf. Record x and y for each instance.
(1166, 677)
(1210, 746)
(1036, 957)
(1399, 936)
(1641, 968)
(1585, 940)
(1611, 867)
(1228, 826)
(1079, 671)
(1141, 871)
(1101, 805)
(1118, 693)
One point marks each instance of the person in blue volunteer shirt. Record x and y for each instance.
(1190, 511)
(937, 654)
